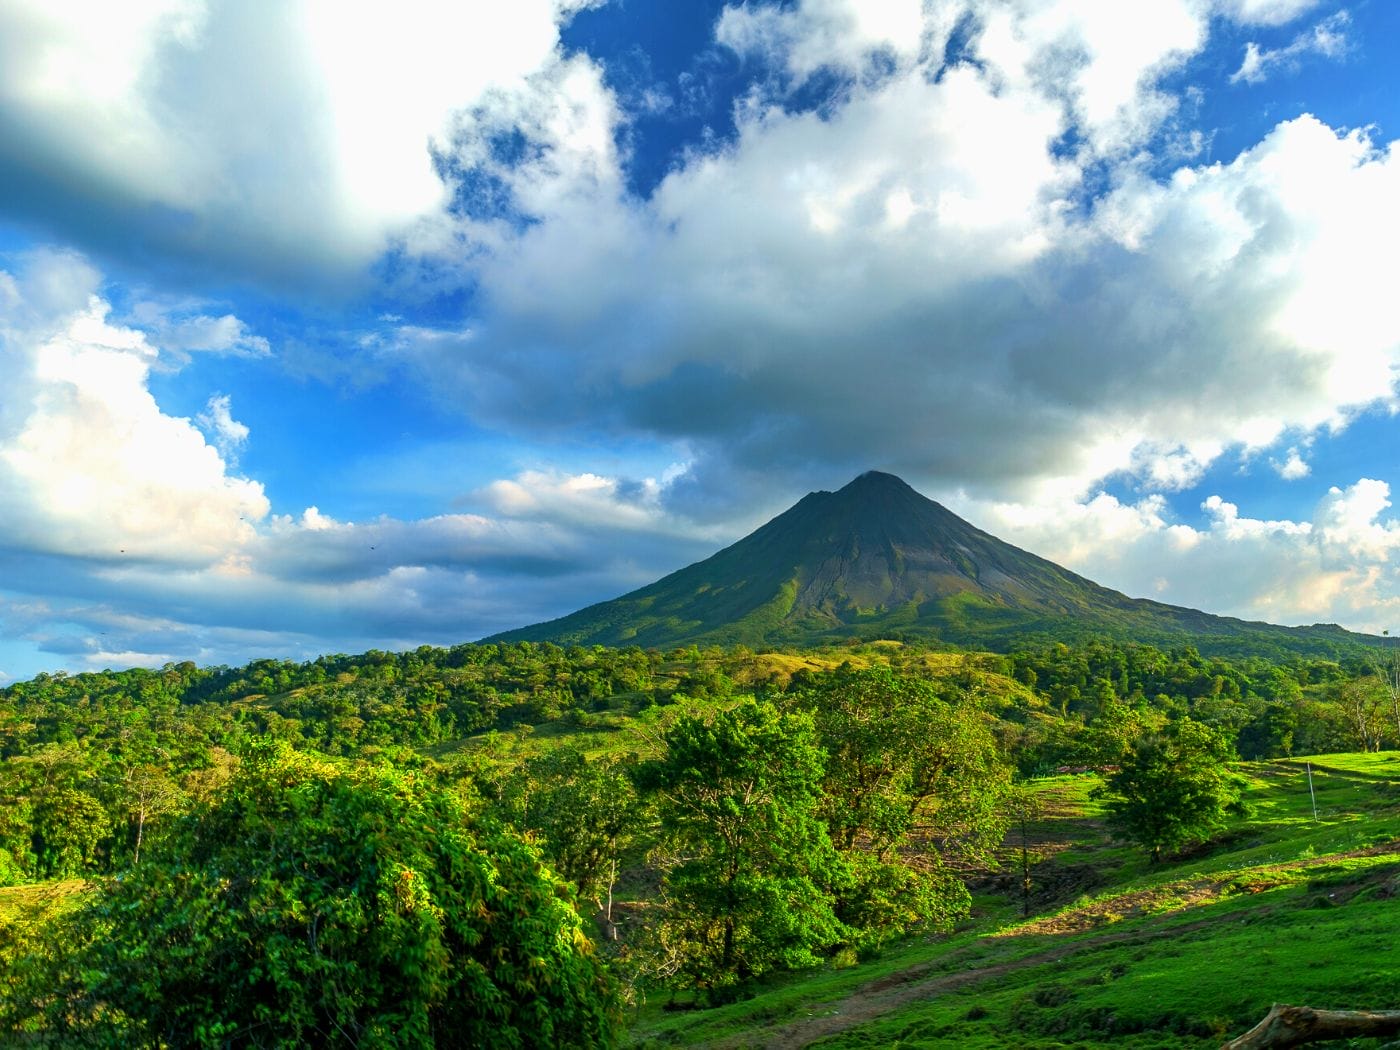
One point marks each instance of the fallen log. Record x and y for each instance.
(1285, 1026)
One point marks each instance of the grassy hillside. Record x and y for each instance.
(1118, 953)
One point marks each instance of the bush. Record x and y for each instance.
(323, 904)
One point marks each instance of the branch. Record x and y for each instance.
(1286, 1026)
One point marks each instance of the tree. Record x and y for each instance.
(318, 903)
(148, 792)
(902, 764)
(583, 815)
(1173, 788)
(1024, 809)
(1288, 1026)
(744, 851)
(1388, 671)
(900, 761)
(1362, 702)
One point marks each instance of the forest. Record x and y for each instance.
(526, 840)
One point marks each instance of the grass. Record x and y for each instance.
(25, 906)
(1283, 908)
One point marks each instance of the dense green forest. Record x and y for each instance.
(554, 833)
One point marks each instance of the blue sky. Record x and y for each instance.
(323, 330)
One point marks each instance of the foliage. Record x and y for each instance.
(583, 814)
(745, 852)
(902, 764)
(316, 903)
(1362, 704)
(1173, 787)
(1154, 957)
(894, 762)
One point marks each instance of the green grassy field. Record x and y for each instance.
(1283, 908)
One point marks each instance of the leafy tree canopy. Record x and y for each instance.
(746, 853)
(319, 903)
(1173, 787)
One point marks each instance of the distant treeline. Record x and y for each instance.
(87, 761)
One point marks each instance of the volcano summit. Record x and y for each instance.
(878, 560)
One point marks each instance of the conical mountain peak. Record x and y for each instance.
(875, 480)
(877, 559)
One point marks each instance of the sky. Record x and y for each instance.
(326, 327)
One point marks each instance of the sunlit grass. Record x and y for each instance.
(1285, 907)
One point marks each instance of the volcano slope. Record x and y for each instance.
(878, 560)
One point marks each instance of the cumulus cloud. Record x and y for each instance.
(182, 329)
(1327, 39)
(227, 433)
(272, 141)
(127, 538)
(825, 34)
(1293, 467)
(1266, 12)
(1340, 566)
(911, 276)
(311, 583)
(988, 258)
(89, 464)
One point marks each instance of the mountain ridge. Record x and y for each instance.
(876, 559)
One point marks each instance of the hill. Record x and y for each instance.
(1287, 907)
(878, 560)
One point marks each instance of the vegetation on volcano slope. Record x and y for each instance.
(622, 769)
(877, 560)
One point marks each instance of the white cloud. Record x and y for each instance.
(1293, 467)
(89, 465)
(975, 276)
(145, 547)
(181, 329)
(1351, 526)
(1098, 60)
(833, 33)
(1338, 567)
(1327, 39)
(282, 141)
(228, 434)
(586, 499)
(909, 277)
(1265, 12)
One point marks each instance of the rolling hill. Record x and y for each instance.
(878, 560)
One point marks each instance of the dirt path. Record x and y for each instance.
(889, 993)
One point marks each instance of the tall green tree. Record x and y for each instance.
(583, 813)
(903, 766)
(317, 903)
(745, 853)
(1361, 702)
(1173, 787)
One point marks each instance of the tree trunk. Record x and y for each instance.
(612, 881)
(1286, 1026)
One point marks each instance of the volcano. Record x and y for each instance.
(878, 560)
